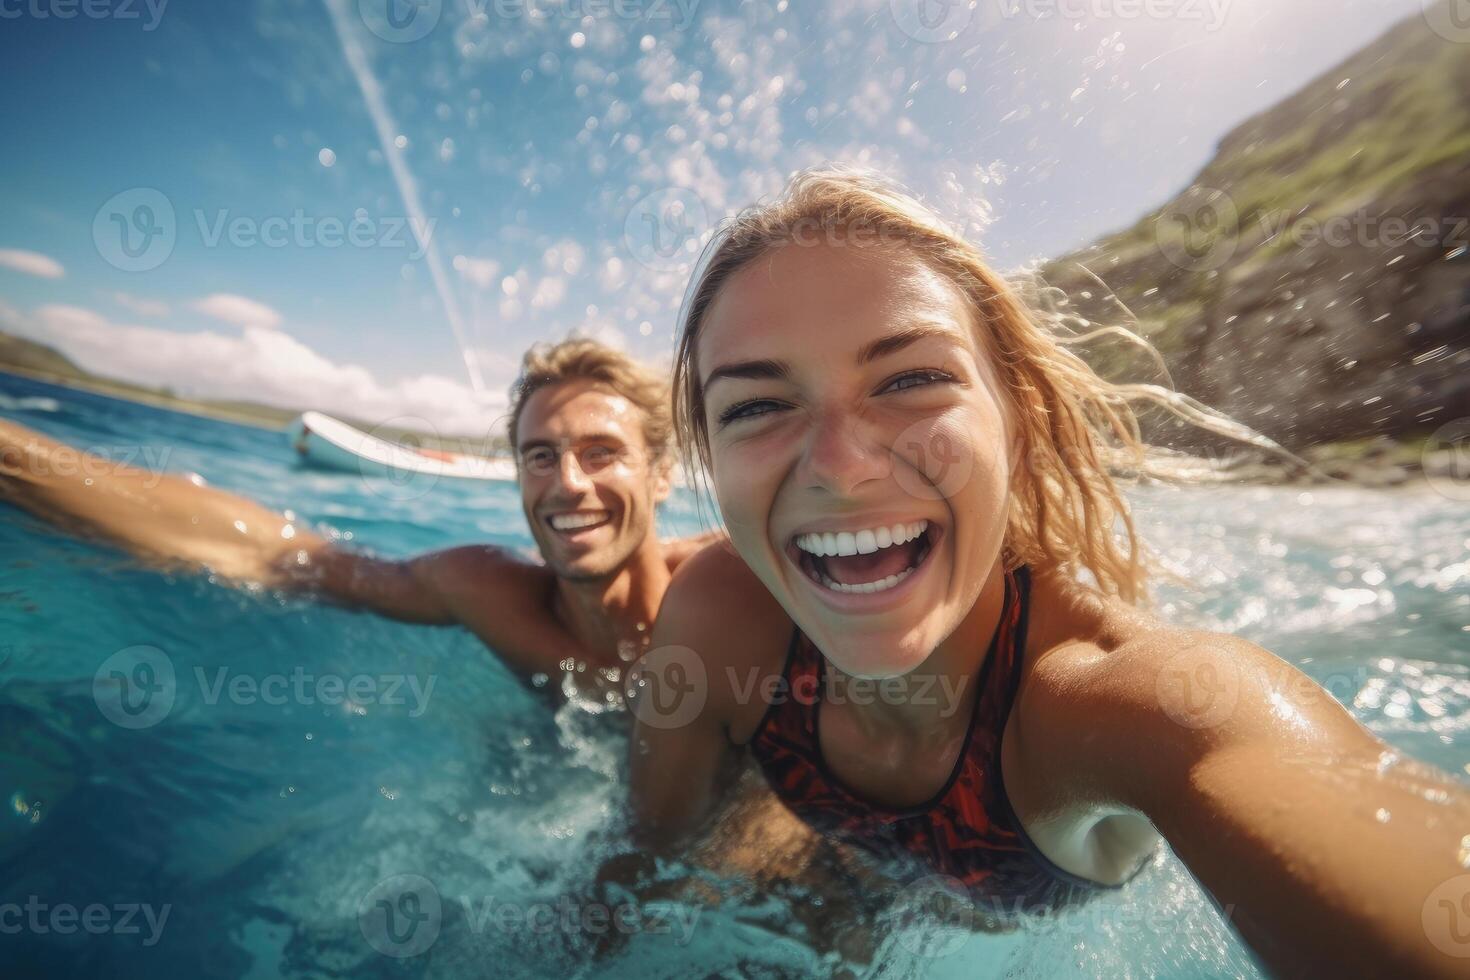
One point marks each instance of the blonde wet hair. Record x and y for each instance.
(582, 358)
(1077, 430)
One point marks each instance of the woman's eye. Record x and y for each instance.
(748, 410)
(915, 379)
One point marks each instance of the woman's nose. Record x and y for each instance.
(842, 453)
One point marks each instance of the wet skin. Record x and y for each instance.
(824, 370)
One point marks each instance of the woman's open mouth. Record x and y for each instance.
(866, 561)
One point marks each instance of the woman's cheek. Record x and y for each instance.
(737, 479)
(939, 457)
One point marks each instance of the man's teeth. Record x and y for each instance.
(881, 585)
(571, 522)
(828, 544)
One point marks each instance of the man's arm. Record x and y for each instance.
(174, 519)
(1332, 853)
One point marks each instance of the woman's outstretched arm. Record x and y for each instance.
(1331, 853)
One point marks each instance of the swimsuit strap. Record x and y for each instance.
(967, 830)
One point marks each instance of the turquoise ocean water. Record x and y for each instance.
(261, 823)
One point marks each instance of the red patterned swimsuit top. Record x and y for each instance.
(967, 831)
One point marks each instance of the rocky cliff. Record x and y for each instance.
(1313, 280)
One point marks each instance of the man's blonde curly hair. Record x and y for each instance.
(1077, 429)
(582, 358)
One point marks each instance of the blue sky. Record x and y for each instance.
(538, 144)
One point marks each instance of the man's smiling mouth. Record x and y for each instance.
(578, 520)
(863, 561)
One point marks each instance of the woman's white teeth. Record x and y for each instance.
(571, 522)
(864, 542)
(881, 585)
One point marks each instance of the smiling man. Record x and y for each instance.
(591, 431)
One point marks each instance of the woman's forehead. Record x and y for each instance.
(824, 299)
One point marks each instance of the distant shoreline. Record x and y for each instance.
(185, 406)
(263, 417)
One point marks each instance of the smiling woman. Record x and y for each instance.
(918, 479)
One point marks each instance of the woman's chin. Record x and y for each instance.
(876, 655)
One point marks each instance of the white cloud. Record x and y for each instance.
(549, 293)
(481, 272)
(140, 305)
(262, 365)
(31, 263)
(239, 310)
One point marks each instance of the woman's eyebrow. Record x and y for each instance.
(882, 347)
(766, 369)
(897, 341)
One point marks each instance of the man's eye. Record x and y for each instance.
(597, 456)
(537, 459)
(915, 379)
(748, 410)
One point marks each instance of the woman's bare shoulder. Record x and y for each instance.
(1094, 661)
(1099, 664)
(1067, 614)
(719, 609)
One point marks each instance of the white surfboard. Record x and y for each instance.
(332, 444)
